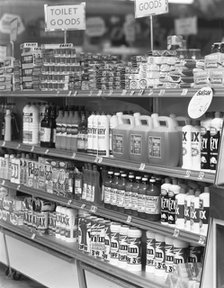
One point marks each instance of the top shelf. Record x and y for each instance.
(153, 93)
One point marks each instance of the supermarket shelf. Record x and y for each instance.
(203, 176)
(71, 250)
(99, 210)
(154, 93)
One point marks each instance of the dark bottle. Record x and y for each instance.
(108, 189)
(153, 204)
(128, 194)
(82, 134)
(52, 124)
(45, 130)
(121, 192)
(134, 196)
(114, 189)
(142, 197)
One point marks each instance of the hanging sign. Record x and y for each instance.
(144, 8)
(186, 26)
(95, 27)
(200, 102)
(65, 17)
(5, 23)
(13, 29)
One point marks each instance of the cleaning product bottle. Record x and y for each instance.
(26, 124)
(75, 131)
(180, 198)
(103, 136)
(196, 146)
(165, 201)
(194, 213)
(187, 202)
(82, 134)
(153, 201)
(215, 134)
(90, 134)
(113, 124)
(181, 252)
(186, 146)
(204, 205)
(205, 141)
(142, 197)
(95, 133)
(59, 121)
(64, 128)
(8, 125)
(174, 190)
(115, 230)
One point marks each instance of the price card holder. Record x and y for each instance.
(98, 159)
(33, 236)
(46, 152)
(73, 155)
(129, 219)
(141, 92)
(18, 187)
(201, 175)
(184, 92)
(83, 206)
(188, 173)
(69, 93)
(99, 93)
(93, 209)
(32, 148)
(176, 233)
(142, 167)
(75, 93)
(162, 92)
(3, 182)
(124, 92)
(91, 93)
(150, 93)
(111, 92)
(18, 146)
(202, 240)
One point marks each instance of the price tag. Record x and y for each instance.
(129, 219)
(150, 92)
(188, 173)
(33, 236)
(201, 175)
(3, 182)
(69, 93)
(75, 93)
(100, 160)
(111, 92)
(99, 93)
(202, 240)
(93, 209)
(32, 148)
(184, 92)
(162, 92)
(69, 202)
(18, 146)
(46, 152)
(142, 167)
(91, 93)
(73, 155)
(141, 92)
(132, 92)
(124, 92)
(83, 206)
(176, 232)
(3, 144)
(96, 159)
(18, 187)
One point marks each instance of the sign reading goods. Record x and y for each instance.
(145, 8)
(65, 17)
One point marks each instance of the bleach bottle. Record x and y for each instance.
(195, 146)
(205, 141)
(186, 146)
(138, 138)
(103, 136)
(90, 133)
(120, 137)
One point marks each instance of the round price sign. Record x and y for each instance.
(200, 102)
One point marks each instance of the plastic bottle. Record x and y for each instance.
(82, 134)
(165, 201)
(69, 131)
(186, 146)
(75, 131)
(103, 136)
(205, 141)
(159, 255)
(134, 254)
(181, 252)
(128, 194)
(17, 169)
(150, 252)
(95, 134)
(107, 189)
(6, 167)
(64, 129)
(34, 124)
(204, 206)
(196, 146)
(142, 197)
(26, 124)
(90, 134)
(52, 125)
(174, 190)
(113, 124)
(153, 201)
(89, 176)
(115, 232)
(215, 134)
(123, 246)
(71, 225)
(114, 189)
(180, 198)
(41, 108)
(194, 213)
(45, 135)
(169, 255)
(11, 167)
(59, 121)
(85, 181)
(121, 192)
(134, 195)
(8, 125)
(187, 202)
(95, 191)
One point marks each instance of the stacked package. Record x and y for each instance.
(10, 75)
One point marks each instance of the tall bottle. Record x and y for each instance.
(69, 129)
(180, 198)
(134, 196)
(187, 203)
(90, 134)
(205, 141)
(173, 191)
(59, 121)
(121, 192)
(153, 201)
(26, 124)
(165, 201)
(75, 131)
(64, 129)
(128, 194)
(82, 134)
(194, 213)
(107, 189)
(103, 136)
(204, 205)
(196, 146)
(186, 146)
(52, 125)
(142, 197)
(95, 134)
(45, 136)
(8, 125)
(114, 189)
(34, 124)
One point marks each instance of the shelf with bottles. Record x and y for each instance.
(203, 175)
(129, 93)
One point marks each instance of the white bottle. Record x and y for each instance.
(180, 198)
(194, 213)
(90, 133)
(196, 146)
(103, 136)
(136, 118)
(8, 125)
(165, 201)
(58, 222)
(204, 203)
(6, 175)
(26, 123)
(205, 141)
(95, 134)
(169, 255)
(114, 122)
(17, 169)
(187, 202)
(186, 146)
(155, 121)
(174, 190)
(150, 252)
(34, 124)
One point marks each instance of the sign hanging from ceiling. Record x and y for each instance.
(65, 17)
(144, 8)
(186, 26)
(5, 23)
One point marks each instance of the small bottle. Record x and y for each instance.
(107, 189)
(194, 213)
(59, 121)
(134, 197)
(180, 198)
(142, 197)
(82, 134)
(45, 133)
(173, 191)
(153, 201)
(128, 194)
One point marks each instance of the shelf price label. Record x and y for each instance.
(98, 159)
(132, 92)
(73, 155)
(99, 93)
(184, 92)
(202, 240)
(32, 148)
(18, 187)
(75, 93)
(201, 175)
(111, 92)
(142, 166)
(18, 146)
(93, 209)
(33, 236)
(3, 144)
(46, 152)
(129, 219)
(176, 233)
(69, 93)
(69, 202)
(188, 173)
(162, 92)
(150, 93)
(3, 182)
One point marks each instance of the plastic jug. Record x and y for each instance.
(164, 143)
(138, 138)
(120, 137)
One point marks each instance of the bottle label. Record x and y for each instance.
(134, 251)
(63, 129)
(45, 134)
(141, 203)
(107, 195)
(74, 130)
(136, 144)
(150, 257)
(203, 213)
(154, 147)
(134, 201)
(127, 200)
(58, 129)
(120, 198)
(114, 196)
(123, 249)
(102, 139)
(114, 245)
(179, 211)
(152, 205)
(82, 139)
(118, 144)
(194, 214)
(186, 212)
(164, 205)
(171, 210)
(180, 255)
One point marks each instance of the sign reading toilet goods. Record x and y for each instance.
(65, 17)
(200, 102)
(144, 8)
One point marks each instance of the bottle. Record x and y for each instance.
(181, 252)
(34, 124)
(64, 125)
(123, 246)
(45, 133)
(204, 204)
(194, 213)
(26, 124)
(2, 122)
(115, 232)
(95, 134)
(165, 201)
(205, 141)
(75, 131)
(90, 134)
(180, 198)
(85, 181)
(8, 125)
(41, 108)
(17, 169)
(187, 202)
(95, 191)
(107, 189)
(114, 189)
(142, 197)
(89, 179)
(69, 135)
(196, 146)
(134, 254)
(121, 192)
(11, 168)
(186, 146)
(113, 124)
(173, 191)
(103, 134)
(52, 124)
(150, 252)
(71, 225)
(153, 201)
(82, 134)
(159, 255)
(59, 121)
(215, 134)
(134, 196)
(128, 194)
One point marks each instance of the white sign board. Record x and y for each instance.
(200, 102)
(95, 27)
(144, 8)
(65, 17)
(186, 26)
